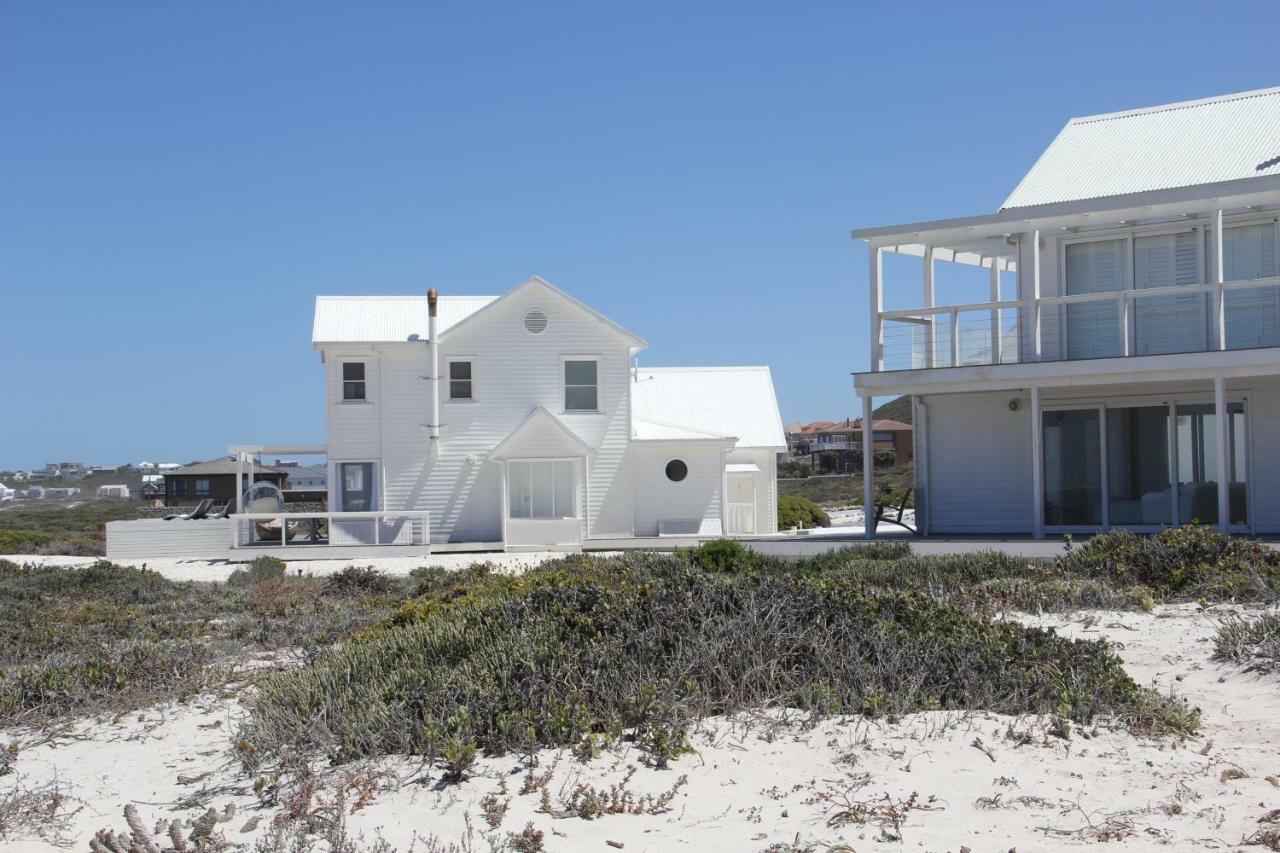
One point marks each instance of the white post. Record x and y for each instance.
(1124, 322)
(1219, 276)
(955, 338)
(876, 287)
(239, 480)
(868, 471)
(1037, 466)
(931, 330)
(1224, 469)
(1036, 344)
(996, 343)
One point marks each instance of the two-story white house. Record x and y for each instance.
(521, 422)
(1119, 366)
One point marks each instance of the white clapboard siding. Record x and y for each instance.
(208, 539)
(979, 464)
(695, 498)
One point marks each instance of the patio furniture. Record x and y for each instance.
(201, 510)
(225, 512)
(881, 509)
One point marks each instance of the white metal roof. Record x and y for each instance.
(1175, 145)
(742, 468)
(737, 402)
(642, 430)
(386, 319)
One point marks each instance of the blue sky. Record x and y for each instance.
(178, 181)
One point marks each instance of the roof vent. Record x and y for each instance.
(535, 322)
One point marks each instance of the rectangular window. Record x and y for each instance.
(202, 488)
(179, 488)
(353, 380)
(1249, 252)
(1164, 324)
(460, 380)
(581, 387)
(1093, 328)
(1138, 466)
(356, 486)
(542, 489)
(1072, 468)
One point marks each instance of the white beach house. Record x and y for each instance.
(1120, 367)
(520, 422)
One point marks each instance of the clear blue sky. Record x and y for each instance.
(179, 180)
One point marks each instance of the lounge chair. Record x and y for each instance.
(225, 512)
(881, 509)
(201, 510)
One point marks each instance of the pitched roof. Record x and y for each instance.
(730, 402)
(221, 465)
(1174, 145)
(387, 319)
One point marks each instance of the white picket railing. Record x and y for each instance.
(383, 528)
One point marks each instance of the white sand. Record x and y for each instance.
(746, 791)
(220, 570)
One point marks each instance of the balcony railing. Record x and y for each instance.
(1150, 321)
(291, 529)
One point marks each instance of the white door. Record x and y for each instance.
(742, 504)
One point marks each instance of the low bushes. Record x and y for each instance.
(1254, 642)
(646, 643)
(798, 512)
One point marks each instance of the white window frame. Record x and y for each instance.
(342, 380)
(448, 378)
(576, 499)
(564, 385)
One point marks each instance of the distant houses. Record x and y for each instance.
(830, 445)
(117, 491)
(214, 480)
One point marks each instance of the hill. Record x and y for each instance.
(897, 409)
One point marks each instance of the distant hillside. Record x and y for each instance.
(898, 409)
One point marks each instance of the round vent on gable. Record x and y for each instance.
(535, 322)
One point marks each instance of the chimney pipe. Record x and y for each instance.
(433, 428)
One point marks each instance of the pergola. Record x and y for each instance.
(251, 453)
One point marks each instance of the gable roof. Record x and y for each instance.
(1183, 144)
(637, 342)
(387, 319)
(730, 402)
(222, 465)
(537, 416)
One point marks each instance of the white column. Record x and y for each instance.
(930, 296)
(1224, 470)
(1036, 345)
(239, 480)
(868, 471)
(996, 343)
(876, 287)
(1219, 273)
(1037, 466)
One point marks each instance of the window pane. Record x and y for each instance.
(1138, 466)
(1093, 328)
(580, 399)
(579, 373)
(1249, 252)
(353, 370)
(1072, 468)
(543, 503)
(353, 390)
(1197, 430)
(564, 503)
(357, 486)
(518, 486)
(460, 390)
(459, 370)
(1164, 324)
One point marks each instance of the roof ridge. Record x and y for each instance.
(1175, 105)
(708, 367)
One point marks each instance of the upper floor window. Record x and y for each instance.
(353, 380)
(581, 385)
(460, 380)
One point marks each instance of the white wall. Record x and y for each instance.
(766, 484)
(697, 496)
(979, 463)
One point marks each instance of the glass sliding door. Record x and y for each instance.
(542, 489)
(1073, 468)
(1097, 266)
(1138, 491)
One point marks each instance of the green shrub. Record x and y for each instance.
(800, 512)
(359, 580)
(261, 570)
(1254, 642)
(646, 643)
(22, 541)
(1192, 561)
(723, 555)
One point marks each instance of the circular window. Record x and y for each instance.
(535, 322)
(677, 470)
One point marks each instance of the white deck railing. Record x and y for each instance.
(742, 518)
(383, 528)
(1147, 322)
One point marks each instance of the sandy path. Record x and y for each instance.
(748, 789)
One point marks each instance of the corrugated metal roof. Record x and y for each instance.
(735, 402)
(1175, 145)
(642, 430)
(386, 319)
